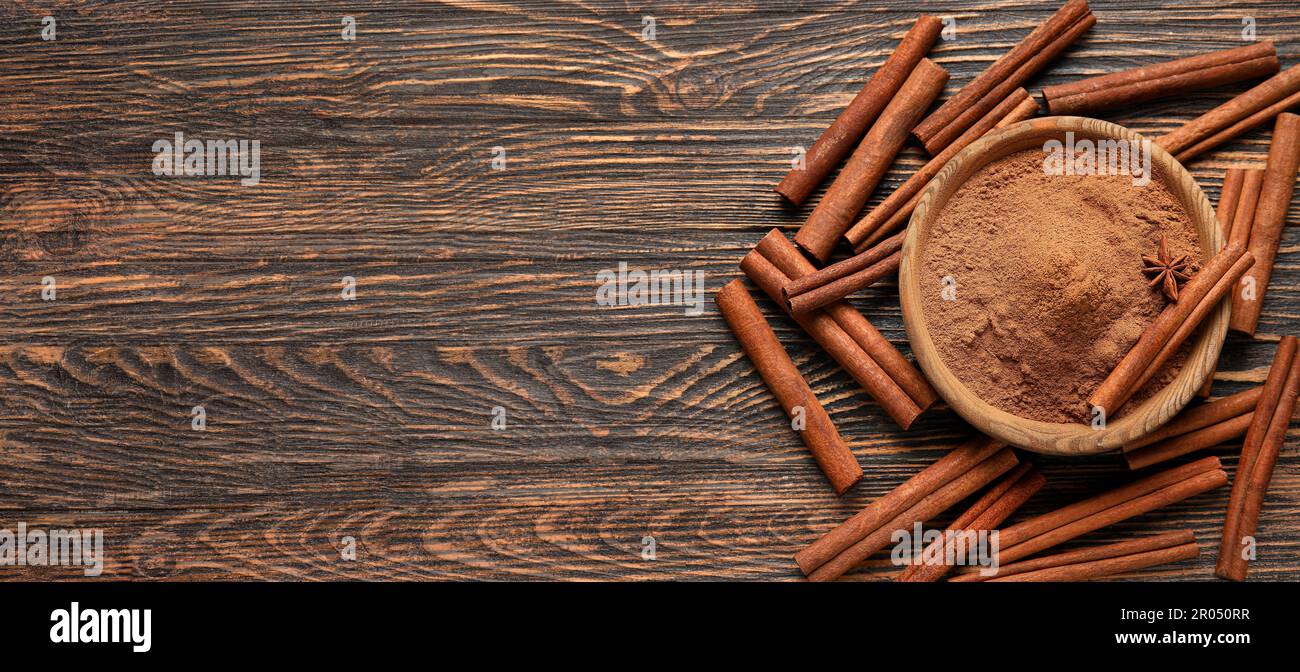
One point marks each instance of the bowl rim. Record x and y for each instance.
(1036, 435)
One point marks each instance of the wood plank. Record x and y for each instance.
(593, 533)
(476, 287)
(111, 426)
(422, 172)
(521, 302)
(276, 417)
(548, 60)
(394, 194)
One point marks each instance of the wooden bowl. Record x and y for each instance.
(1036, 435)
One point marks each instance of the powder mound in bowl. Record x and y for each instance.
(1049, 290)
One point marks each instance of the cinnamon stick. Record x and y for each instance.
(1270, 394)
(853, 186)
(841, 279)
(989, 511)
(844, 133)
(1023, 110)
(1146, 494)
(1261, 472)
(1162, 80)
(918, 181)
(1205, 437)
(1239, 128)
(1230, 563)
(1270, 218)
(1096, 569)
(1203, 308)
(968, 517)
(1012, 70)
(1234, 117)
(1123, 511)
(1246, 206)
(791, 390)
(1090, 554)
(1121, 383)
(946, 469)
(939, 501)
(782, 253)
(1233, 181)
(1237, 183)
(842, 269)
(1201, 417)
(1047, 522)
(838, 344)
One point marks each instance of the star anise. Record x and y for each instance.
(1165, 271)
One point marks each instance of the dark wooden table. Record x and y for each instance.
(371, 418)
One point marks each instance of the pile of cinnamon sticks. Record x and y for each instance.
(1233, 118)
(970, 468)
(1201, 427)
(867, 137)
(1096, 562)
(1263, 229)
(1048, 530)
(1162, 80)
(1008, 73)
(993, 99)
(1144, 495)
(956, 476)
(877, 123)
(843, 135)
(1264, 438)
(992, 508)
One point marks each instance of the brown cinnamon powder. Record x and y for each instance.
(1049, 292)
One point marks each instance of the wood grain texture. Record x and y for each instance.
(475, 287)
